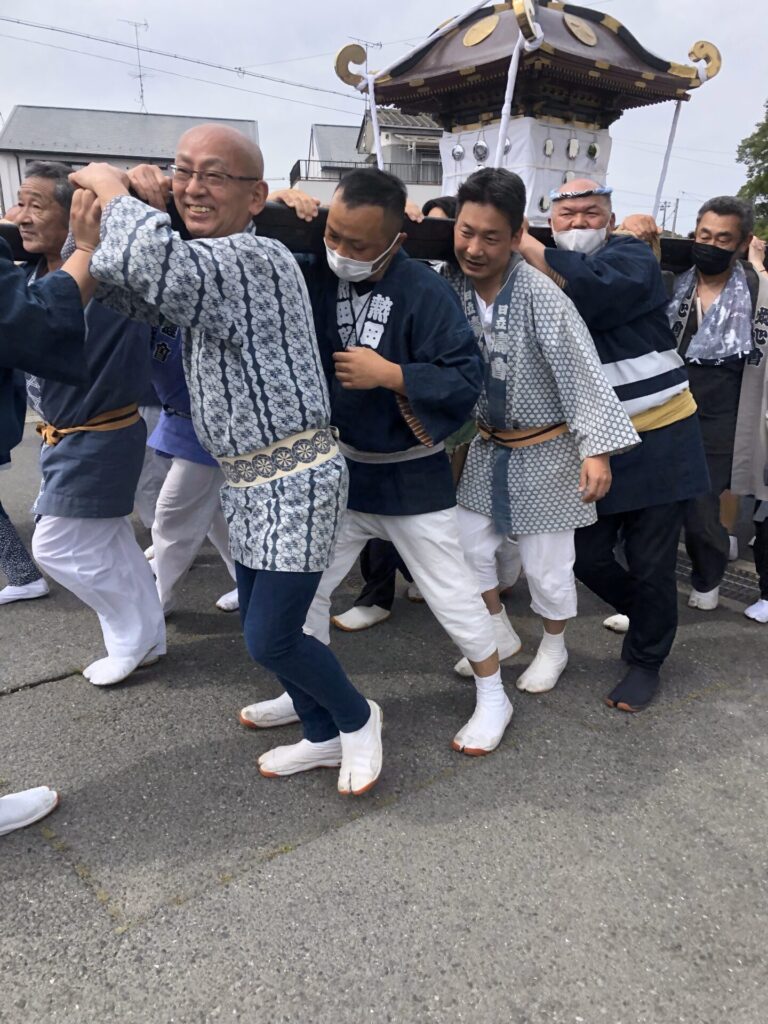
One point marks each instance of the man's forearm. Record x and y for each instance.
(534, 252)
(78, 267)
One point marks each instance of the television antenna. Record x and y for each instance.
(144, 25)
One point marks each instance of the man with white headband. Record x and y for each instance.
(616, 284)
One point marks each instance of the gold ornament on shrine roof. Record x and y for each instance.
(480, 30)
(580, 29)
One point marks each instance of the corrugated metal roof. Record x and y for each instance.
(390, 117)
(335, 143)
(70, 130)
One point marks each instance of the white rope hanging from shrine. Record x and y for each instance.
(522, 44)
(375, 121)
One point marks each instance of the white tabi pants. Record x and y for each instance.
(99, 561)
(547, 560)
(429, 545)
(188, 509)
(152, 472)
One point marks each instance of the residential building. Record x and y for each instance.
(410, 146)
(78, 136)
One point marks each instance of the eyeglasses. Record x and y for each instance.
(213, 179)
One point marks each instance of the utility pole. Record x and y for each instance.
(140, 75)
(674, 216)
(663, 208)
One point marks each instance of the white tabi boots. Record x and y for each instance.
(360, 617)
(547, 667)
(303, 756)
(268, 714)
(493, 713)
(507, 642)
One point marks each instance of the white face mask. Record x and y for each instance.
(356, 270)
(585, 240)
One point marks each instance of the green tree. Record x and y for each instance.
(753, 152)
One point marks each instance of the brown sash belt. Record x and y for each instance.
(114, 420)
(520, 438)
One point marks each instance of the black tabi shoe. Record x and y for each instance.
(635, 691)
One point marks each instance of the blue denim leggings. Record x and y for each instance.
(273, 607)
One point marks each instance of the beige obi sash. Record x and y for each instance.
(283, 458)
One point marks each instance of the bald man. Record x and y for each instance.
(260, 407)
(615, 282)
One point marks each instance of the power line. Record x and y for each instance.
(177, 74)
(328, 53)
(239, 71)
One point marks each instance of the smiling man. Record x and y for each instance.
(547, 418)
(259, 406)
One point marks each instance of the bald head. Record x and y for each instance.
(218, 184)
(231, 144)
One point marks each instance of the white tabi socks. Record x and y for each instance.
(548, 665)
(508, 643)
(111, 670)
(493, 713)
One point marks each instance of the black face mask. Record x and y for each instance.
(710, 259)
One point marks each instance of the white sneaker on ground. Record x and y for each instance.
(508, 644)
(229, 602)
(110, 670)
(705, 601)
(360, 617)
(149, 553)
(361, 755)
(268, 714)
(758, 611)
(27, 592)
(617, 623)
(492, 714)
(733, 548)
(303, 756)
(414, 594)
(547, 667)
(17, 810)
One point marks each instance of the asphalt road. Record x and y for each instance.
(596, 868)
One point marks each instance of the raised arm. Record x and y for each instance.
(41, 325)
(189, 283)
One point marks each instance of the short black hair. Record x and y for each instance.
(59, 174)
(731, 206)
(445, 203)
(496, 187)
(371, 187)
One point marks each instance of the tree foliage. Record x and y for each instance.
(753, 152)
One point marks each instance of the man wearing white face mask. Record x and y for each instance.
(616, 285)
(404, 372)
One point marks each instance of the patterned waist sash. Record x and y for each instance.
(520, 438)
(114, 420)
(282, 458)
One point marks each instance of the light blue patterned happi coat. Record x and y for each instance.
(252, 365)
(543, 359)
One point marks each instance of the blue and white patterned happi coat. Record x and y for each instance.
(252, 365)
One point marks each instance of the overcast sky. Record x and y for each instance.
(297, 40)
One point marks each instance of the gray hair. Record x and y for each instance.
(731, 206)
(59, 174)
